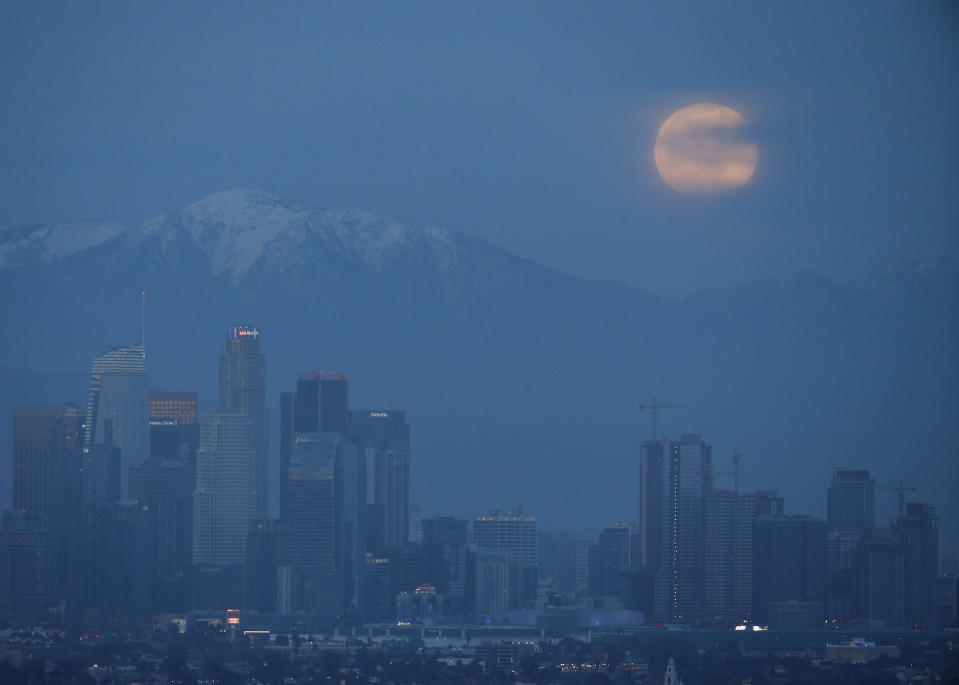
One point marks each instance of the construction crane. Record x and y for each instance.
(653, 408)
(901, 490)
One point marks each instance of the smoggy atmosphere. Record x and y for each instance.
(522, 224)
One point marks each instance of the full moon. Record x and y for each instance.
(697, 150)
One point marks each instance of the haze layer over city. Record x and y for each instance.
(546, 236)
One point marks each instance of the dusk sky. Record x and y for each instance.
(530, 124)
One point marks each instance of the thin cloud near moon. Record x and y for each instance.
(696, 151)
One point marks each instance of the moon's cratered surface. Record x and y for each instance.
(697, 149)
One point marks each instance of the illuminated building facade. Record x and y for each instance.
(174, 431)
(181, 406)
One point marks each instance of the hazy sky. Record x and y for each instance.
(530, 124)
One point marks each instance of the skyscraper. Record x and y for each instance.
(851, 501)
(769, 503)
(312, 524)
(267, 556)
(842, 566)
(243, 391)
(729, 554)
(651, 510)
(319, 405)
(43, 438)
(492, 580)
(385, 437)
(850, 515)
(286, 450)
(445, 559)
(29, 563)
(513, 533)
(880, 582)
(573, 552)
(311, 519)
(920, 547)
(610, 563)
(350, 480)
(118, 409)
(322, 403)
(686, 479)
(164, 490)
(508, 531)
(789, 563)
(225, 498)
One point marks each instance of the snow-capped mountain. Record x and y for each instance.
(248, 239)
(28, 247)
(241, 229)
(244, 237)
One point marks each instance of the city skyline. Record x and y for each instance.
(191, 534)
(168, 398)
(547, 342)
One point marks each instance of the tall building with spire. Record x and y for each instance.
(243, 391)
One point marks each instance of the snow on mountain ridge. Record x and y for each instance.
(233, 227)
(47, 243)
(902, 275)
(238, 229)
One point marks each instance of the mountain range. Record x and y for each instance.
(521, 383)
